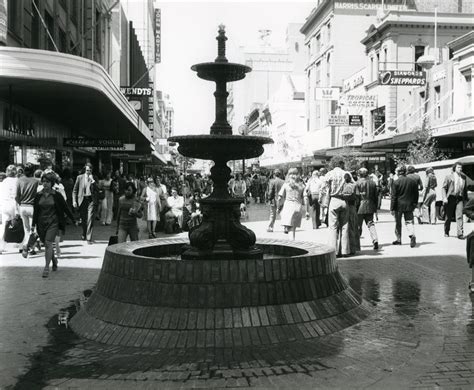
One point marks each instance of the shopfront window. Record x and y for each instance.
(378, 120)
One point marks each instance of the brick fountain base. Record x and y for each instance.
(147, 297)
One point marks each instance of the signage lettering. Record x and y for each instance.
(361, 100)
(338, 120)
(18, 122)
(92, 142)
(327, 93)
(402, 77)
(132, 92)
(353, 83)
(370, 6)
(157, 36)
(356, 120)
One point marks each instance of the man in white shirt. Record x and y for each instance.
(311, 192)
(176, 203)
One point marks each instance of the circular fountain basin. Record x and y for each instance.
(147, 297)
(230, 147)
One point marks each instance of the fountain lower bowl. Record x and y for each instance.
(228, 147)
(146, 298)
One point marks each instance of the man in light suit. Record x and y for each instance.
(454, 195)
(85, 197)
(368, 204)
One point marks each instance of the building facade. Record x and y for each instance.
(60, 101)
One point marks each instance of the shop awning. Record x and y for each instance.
(160, 157)
(71, 90)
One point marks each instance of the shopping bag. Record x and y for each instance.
(113, 240)
(14, 231)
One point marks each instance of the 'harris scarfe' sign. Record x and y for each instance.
(402, 77)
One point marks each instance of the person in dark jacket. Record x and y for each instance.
(404, 201)
(49, 210)
(368, 204)
(274, 187)
(454, 197)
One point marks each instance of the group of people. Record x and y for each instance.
(344, 201)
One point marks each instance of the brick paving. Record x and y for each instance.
(418, 335)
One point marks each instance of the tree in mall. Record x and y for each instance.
(423, 149)
(184, 162)
(352, 159)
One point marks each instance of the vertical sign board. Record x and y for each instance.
(356, 120)
(378, 117)
(151, 108)
(157, 36)
(3, 21)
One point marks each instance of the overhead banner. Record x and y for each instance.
(361, 100)
(356, 120)
(338, 120)
(327, 93)
(402, 77)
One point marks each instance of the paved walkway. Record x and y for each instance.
(420, 334)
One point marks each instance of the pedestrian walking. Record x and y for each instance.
(129, 210)
(26, 190)
(151, 197)
(85, 197)
(323, 196)
(454, 195)
(8, 209)
(107, 209)
(338, 212)
(274, 187)
(312, 191)
(290, 202)
(404, 200)
(49, 216)
(428, 208)
(411, 174)
(368, 205)
(238, 187)
(351, 196)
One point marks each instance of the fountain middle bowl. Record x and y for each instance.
(216, 146)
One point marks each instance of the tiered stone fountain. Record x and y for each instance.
(222, 288)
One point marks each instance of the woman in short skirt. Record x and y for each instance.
(290, 202)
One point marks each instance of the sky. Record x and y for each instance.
(188, 31)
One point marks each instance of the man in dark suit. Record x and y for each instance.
(368, 204)
(403, 202)
(454, 195)
(86, 198)
(274, 187)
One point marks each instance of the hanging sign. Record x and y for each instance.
(338, 120)
(361, 100)
(157, 36)
(356, 120)
(402, 77)
(91, 142)
(327, 93)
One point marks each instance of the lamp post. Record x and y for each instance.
(426, 62)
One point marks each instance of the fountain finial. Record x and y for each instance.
(221, 38)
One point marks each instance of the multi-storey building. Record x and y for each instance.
(58, 101)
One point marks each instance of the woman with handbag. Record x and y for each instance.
(49, 211)
(8, 208)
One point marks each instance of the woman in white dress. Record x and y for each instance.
(151, 197)
(290, 202)
(108, 201)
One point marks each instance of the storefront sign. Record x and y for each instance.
(353, 82)
(18, 122)
(3, 21)
(356, 120)
(91, 143)
(359, 5)
(327, 93)
(402, 77)
(338, 120)
(130, 92)
(468, 145)
(124, 147)
(439, 75)
(151, 109)
(361, 100)
(157, 36)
